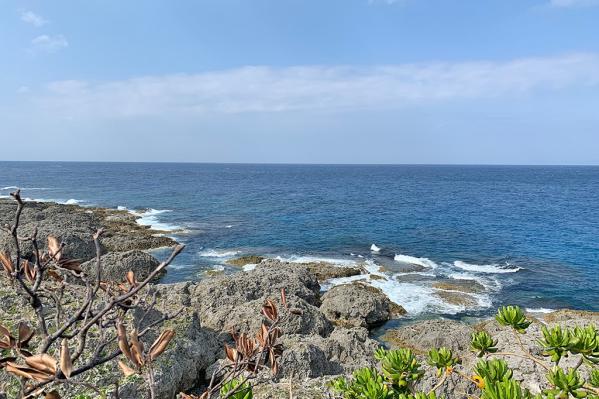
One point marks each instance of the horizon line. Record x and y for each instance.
(301, 163)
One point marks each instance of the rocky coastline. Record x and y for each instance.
(328, 334)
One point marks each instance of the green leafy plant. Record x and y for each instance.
(401, 367)
(493, 377)
(418, 395)
(483, 343)
(514, 317)
(504, 389)
(367, 383)
(442, 359)
(594, 378)
(493, 370)
(556, 342)
(565, 384)
(585, 341)
(238, 388)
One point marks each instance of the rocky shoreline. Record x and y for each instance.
(326, 334)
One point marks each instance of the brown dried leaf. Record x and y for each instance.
(130, 277)
(55, 275)
(159, 346)
(137, 349)
(42, 362)
(66, 364)
(25, 335)
(231, 353)
(30, 272)
(128, 371)
(270, 310)
(122, 341)
(71, 264)
(283, 297)
(26, 372)
(54, 249)
(52, 395)
(7, 262)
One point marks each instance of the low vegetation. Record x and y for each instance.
(491, 377)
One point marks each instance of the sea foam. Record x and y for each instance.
(491, 268)
(424, 262)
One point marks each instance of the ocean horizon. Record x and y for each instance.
(517, 234)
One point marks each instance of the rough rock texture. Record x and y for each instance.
(245, 260)
(468, 286)
(358, 305)
(321, 270)
(424, 335)
(74, 225)
(116, 264)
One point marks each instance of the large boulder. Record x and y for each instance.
(424, 335)
(358, 305)
(193, 349)
(116, 264)
(343, 352)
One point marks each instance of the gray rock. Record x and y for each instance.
(358, 305)
(424, 335)
(115, 265)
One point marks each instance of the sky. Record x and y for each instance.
(301, 81)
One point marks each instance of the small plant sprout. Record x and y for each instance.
(555, 342)
(513, 316)
(585, 341)
(443, 360)
(492, 370)
(565, 384)
(402, 368)
(483, 343)
(237, 389)
(504, 389)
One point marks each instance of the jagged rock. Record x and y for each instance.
(358, 305)
(75, 225)
(456, 298)
(116, 264)
(245, 260)
(424, 335)
(467, 286)
(344, 351)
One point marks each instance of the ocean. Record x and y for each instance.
(525, 235)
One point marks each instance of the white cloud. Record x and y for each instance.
(574, 3)
(49, 44)
(33, 18)
(266, 89)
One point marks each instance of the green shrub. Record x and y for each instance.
(400, 369)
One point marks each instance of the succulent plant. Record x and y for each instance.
(555, 342)
(493, 370)
(565, 384)
(442, 359)
(514, 317)
(401, 367)
(482, 343)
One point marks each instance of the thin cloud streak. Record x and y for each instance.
(49, 44)
(32, 18)
(266, 89)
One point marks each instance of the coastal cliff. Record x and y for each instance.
(329, 333)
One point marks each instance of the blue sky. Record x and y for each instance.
(323, 81)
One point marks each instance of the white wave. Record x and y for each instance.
(374, 248)
(249, 267)
(316, 259)
(150, 218)
(491, 268)
(72, 201)
(424, 262)
(121, 208)
(228, 226)
(540, 310)
(218, 253)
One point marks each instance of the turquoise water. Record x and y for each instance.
(528, 235)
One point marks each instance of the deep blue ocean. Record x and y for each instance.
(528, 235)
